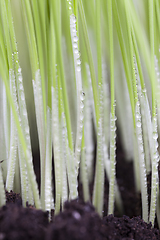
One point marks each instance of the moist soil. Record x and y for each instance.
(79, 220)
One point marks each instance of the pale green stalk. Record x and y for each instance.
(106, 103)
(83, 172)
(154, 118)
(4, 128)
(98, 191)
(33, 53)
(158, 207)
(37, 88)
(89, 136)
(80, 93)
(112, 115)
(90, 59)
(63, 149)
(13, 145)
(56, 148)
(48, 162)
(118, 198)
(41, 56)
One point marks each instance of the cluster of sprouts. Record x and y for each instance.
(71, 71)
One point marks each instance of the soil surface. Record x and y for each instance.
(79, 221)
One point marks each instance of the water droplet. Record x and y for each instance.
(155, 136)
(75, 39)
(76, 51)
(20, 86)
(81, 104)
(81, 117)
(138, 124)
(82, 96)
(75, 45)
(78, 68)
(22, 97)
(78, 61)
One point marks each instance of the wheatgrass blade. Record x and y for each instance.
(13, 143)
(48, 162)
(83, 172)
(144, 193)
(37, 88)
(118, 198)
(63, 151)
(98, 191)
(112, 114)
(158, 91)
(80, 93)
(31, 38)
(6, 32)
(158, 207)
(90, 59)
(41, 54)
(89, 136)
(4, 129)
(56, 147)
(155, 161)
(64, 162)
(155, 154)
(23, 170)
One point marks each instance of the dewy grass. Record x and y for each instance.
(80, 52)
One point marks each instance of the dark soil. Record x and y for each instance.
(79, 221)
